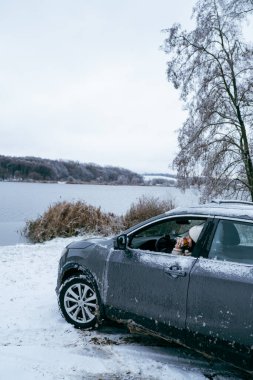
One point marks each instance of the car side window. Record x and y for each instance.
(163, 236)
(233, 241)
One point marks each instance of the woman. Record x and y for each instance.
(184, 245)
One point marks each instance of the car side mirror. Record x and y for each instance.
(121, 242)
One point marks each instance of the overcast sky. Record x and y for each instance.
(85, 80)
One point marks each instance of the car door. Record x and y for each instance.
(220, 297)
(150, 287)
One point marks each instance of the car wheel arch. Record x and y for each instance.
(76, 270)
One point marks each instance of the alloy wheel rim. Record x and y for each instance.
(80, 303)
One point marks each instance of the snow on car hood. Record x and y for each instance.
(82, 244)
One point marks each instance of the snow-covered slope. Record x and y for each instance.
(36, 342)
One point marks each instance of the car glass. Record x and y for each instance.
(147, 237)
(233, 241)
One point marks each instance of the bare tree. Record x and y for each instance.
(238, 8)
(213, 68)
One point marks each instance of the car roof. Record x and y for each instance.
(228, 209)
(221, 208)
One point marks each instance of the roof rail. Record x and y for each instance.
(227, 201)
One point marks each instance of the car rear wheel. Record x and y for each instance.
(78, 301)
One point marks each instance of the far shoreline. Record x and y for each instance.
(87, 183)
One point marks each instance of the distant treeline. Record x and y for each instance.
(38, 169)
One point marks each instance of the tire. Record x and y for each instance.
(79, 302)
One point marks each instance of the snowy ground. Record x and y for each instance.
(36, 342)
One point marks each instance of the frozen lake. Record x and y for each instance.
(20, 202)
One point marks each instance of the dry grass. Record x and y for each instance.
(144, 208)
(71, 219)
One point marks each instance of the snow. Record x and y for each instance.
(163, 259)
(37, 343)
(220, 267)
(164, 177)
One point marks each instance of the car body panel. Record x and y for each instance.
(220, 309)
(220, 301)
(152, 286)
(87, 257)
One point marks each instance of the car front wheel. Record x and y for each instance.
(78, 301)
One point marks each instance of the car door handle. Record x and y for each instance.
(175, 271)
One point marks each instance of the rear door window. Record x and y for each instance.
(233, 241)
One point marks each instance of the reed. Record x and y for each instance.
(64, 219)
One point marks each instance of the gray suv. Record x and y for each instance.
(185, 276)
